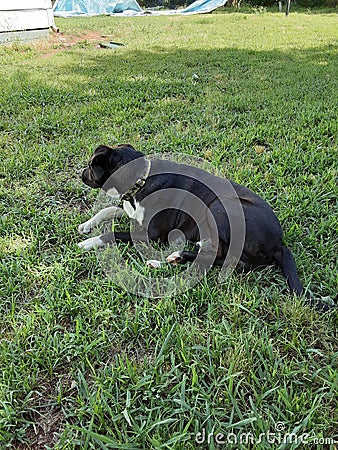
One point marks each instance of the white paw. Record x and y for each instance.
(89, 244)
(153, 263)
(174, 258)
(205, 244)
(85, 227)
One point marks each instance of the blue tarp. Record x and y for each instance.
(71, 8)
(203, 6)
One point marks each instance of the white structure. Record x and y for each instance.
(25, 19)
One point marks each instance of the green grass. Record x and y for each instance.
(86, 365)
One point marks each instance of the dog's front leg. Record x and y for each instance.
(115, 237)
(105, 214)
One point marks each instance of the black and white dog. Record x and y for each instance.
(223, 220)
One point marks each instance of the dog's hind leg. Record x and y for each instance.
(203, 250)
(184, 256)
(286, 262)
(178, 257)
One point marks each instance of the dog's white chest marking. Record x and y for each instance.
(113, 193)
(137, 213)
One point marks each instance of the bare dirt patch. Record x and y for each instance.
(47, 420)
(57, 42)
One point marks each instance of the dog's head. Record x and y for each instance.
(105, 161)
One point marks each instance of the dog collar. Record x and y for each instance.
(129, 195)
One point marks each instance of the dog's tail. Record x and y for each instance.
(286, 262)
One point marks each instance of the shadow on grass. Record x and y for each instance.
(130, 93)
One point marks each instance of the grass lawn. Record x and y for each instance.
(86, 365)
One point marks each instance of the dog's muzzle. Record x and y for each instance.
(88, 180)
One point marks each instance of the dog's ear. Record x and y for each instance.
(126, 145)
(102, 149)
(99, 159)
